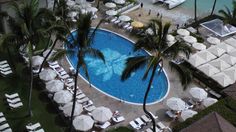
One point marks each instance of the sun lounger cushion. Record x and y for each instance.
(33, 126)
(4, 126)
(118, 119)
(149, 130)
(5, 69)
(134, 125)
(2, 119)
(4, 65)
(13, 101)
(80, 96)
(1, 114)
(3, 62)
(145, 118)
(11, 96)
(6, 72)
(140, 122)
(17, 105)
(40, 130)
(161, 125)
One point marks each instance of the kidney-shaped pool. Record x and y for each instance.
(106, 77)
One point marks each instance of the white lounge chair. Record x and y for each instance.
(145, 119)
(7, 130)
(80, 96)
(114, 19)
(83, 100)
(40, 130)
(149, 130)
(11, 96)
(140, 122)
(118, 119)
(5, 69)
(13, 101)
(88, 103)
(161, 125)
(4, 65)
(1, 114)
(105, 125)
(32, 127)
(154, 116)
(64, 76)
(4, 126)
(2, 119)
(6, 72)
(90, 108)
(62, 73)
(134, 125)
(171, 114)
(17, 105)
(55, 66)
(3, 62)
(53, 63)
(70, 84)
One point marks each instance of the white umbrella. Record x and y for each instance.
(176, 104)
(170, 38)
(199, 46)
(216, 51)
(213, 40)
(228, 59)
(102, 114)
(124, 18)
(183, 32)
(47, 51)
(92, 9)
(83, 123)
(62, 97)
(220, 64)
(110, 5)
(196, 60)
(208, 69)
(54, 86)
(119, 1)
(231, 41)
(67, 109)
(111, 12)
(206, 55)
(231, 72)
(37, 60)
(209, 101)
(190, 39)
(47, 75)
(225, 46)
(222, 79)
(187, 114)
(198, 94)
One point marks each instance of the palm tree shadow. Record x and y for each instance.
(51, 108)
(43, 97)
(61, 121)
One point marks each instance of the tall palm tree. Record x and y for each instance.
(156, 44)
(229, 15)
(195, 10)
(213, 7)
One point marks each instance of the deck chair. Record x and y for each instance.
(140, 122)
(17, 105)
(80, 96)
(31, 127)
(7, 130)
(11, 96)
(6, 72)
(62, 73)
(1, 114)
(134, 125)
(161, 125)
(2, 119)
(154, 116)
(4, 65)
(3, 62)
(88, 103)
(64, 76)
(5, 69)
(13, 101)
(90, 108)
(145, 119)
(4, 126)
(83, 100)
(40, 130)
(118, 119)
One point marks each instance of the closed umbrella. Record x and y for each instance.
(209, 101)
(220, 64)
(137, 24)
(208, 69)
(67, 109)
(124, 18)
(222, 79)
(198, 94)
(119, 2)
(190, 39)
(110, 5)
(228, 59)
(54, 86)
(62, 97)
(47, 75)
(213, 40)
(199, 46)
(37, 60)
(216, 51)
(183, 32)
(111, 12)
(176, 104)
(187, 114)
(102, 114)
(83, 123)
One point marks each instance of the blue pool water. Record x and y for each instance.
(106, 77)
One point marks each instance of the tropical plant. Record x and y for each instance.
(213, 7)
(157, 45)
(229, 15)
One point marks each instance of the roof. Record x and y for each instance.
(212, 122)
(231, 91)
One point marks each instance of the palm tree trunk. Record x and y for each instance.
(74, 96)
(195, 10)
(145, 99)
(31, 86)
(46, 57)
(213, 8)
(10, 58)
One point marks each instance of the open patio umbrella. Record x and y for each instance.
(208, 69)
(199, 46)
(183, 32)
(170, 38)
(111, 12)
(176, 104)
(213, 40)
(92, 9)
(102, 114)
(231, 72)
(47, 75)
(206, 55)
(187, 114)
(120, 2)
(137, 24)
(222, 79)
(124, 18)
(216, 51)
(190, 39)
(67, 109)
(226, 47)
(220, 64)
(54, 86)
(37, 60)
(110, 5)
(228, 59)
(196, 60)
(209, 101)
(198, 94)
(62, 97)
(83, 123)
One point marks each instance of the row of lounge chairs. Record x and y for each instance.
(59, 70)
(34, 127)
(13, 100)
(139, 122)
(5, 68)
(115, 20)
(4, 126)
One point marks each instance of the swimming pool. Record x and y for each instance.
(106, 77)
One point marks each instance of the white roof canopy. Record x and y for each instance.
(216, 50)
(220, 64)
(206, 55)
(208, 69)
(228, 59)
(222, 79)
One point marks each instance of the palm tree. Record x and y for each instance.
(195, 10)
(229, 16)
(156, 44)
(213, 7)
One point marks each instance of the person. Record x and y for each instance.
(149, 12)
(141, 5)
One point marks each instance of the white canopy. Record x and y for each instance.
(199, 46)
(83, 123)
(119, 1)
(54, 86)
(216, 50)
(102, 114)
(62, 97)
(183, 32)
(208, 69)
(213, 40)
(37, 60)
(231, 41)
(231, 72)
(225, 46)
(196, 60)
(124, 18)
(111, 12)
(198, 94)
(91, 9)
(187, 114)
(228, 59)
(206, 55)
(47, 75)
(110, 5)
(67, 109)
(190, 39)
(176, 104)
(222, 79)
(209, 101)
(220, 64)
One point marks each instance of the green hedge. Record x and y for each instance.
(121, 129)
(221, 107)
